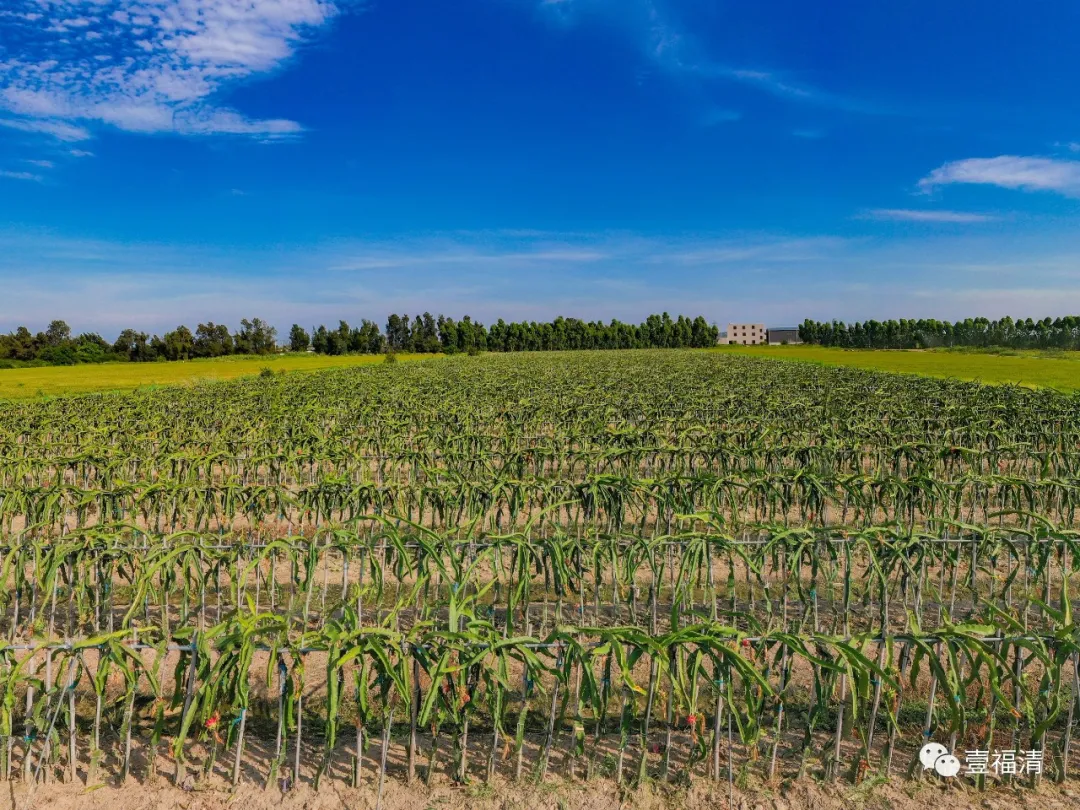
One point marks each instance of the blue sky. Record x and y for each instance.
(174, 161)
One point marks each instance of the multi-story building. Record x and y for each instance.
(746, 334)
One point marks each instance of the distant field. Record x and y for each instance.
(22, 383)
(1049, 370)
(1039, 369)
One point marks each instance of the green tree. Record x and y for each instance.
(58, 333)
(299, 340)
(335, 344)
(91, 347)
(448, 335)
(255, 337)
(19, 345)
(213, 340)
(178, 344)
(135, 346)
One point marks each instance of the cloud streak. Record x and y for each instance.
(61, 130)
(672, 48)
(14, 175)
(146, 65)
(916, 215)
(1009, 171)
(106, 286)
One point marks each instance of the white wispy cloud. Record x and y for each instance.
(443, 253)
(15, 175)
(761, 250)
(80, 153)
(916, 215)
(784, 87)
(668, 43)
(106, 286)
(61, 130)
(41, 164)
(1010, 171)
(778, 278)
(146, 65)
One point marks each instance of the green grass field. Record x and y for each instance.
(1059, 370)
(1050, 370)
(22, 383)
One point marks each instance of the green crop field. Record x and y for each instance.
(1060, 371)
(1037, 369)
(22, 383)
(668, 566)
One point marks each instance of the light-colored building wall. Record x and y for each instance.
(746, 334)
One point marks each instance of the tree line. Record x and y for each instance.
(56, 346)
(402, 333)
(428, 334)
(1021, 333)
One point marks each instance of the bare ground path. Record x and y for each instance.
(597, 794)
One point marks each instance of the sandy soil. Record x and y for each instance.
(597, 794)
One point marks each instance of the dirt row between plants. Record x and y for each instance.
(596, 794)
